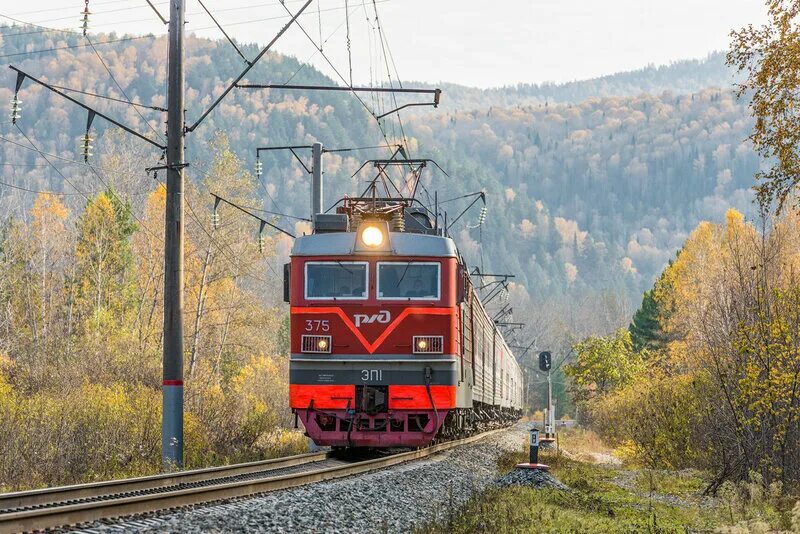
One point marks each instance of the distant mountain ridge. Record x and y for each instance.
(679, 77)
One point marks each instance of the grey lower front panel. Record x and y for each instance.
(372, 371)
(382, 370)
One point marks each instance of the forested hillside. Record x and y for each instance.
(602, 192)
(599, 193)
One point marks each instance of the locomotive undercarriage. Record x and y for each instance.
(378, 427)
(463, 422)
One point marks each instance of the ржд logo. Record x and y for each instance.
(382, 317)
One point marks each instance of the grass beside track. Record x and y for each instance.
(614, 499)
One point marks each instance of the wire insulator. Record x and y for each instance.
(16, 109)
(259, 168)
(215, 219)
(482, 216)
(261, 241)
(85, 18)
(85, 145)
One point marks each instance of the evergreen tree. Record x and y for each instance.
(645, 328)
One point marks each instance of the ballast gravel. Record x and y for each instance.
(396, 499)
(533, 478)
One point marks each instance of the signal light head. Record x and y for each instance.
(372, 236)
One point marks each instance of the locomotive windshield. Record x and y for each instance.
(408, 280)
(336, 280)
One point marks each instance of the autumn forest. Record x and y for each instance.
(666, 286)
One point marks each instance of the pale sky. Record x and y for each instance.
(471, 42)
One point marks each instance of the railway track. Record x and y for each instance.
(74, 505)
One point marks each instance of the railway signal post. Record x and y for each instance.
(546, 364)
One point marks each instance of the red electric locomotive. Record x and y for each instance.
(390, 345)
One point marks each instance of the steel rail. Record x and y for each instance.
(93, 490)
(78, 513)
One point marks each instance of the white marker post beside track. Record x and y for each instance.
(534, 453)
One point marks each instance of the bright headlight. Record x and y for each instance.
(372, 236)
(428, 344)
(322, 344)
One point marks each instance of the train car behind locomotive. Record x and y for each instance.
(390, 345)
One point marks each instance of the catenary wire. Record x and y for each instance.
(33, 145)
(111, 98)
(67, 160)
(37, 191)
(72, 47)
(322, 53)
(111, 75)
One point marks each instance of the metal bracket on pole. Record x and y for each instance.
(309, 171)
(250, 65)
(218, 199)
(290, 148)
(89, 120)
(165, 21)
(20, 78)
(215, 214)
(261, 237)
(479, 196)
(437, 93)
(154, 170)
(23, 75)
(86, 139)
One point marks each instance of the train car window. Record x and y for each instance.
(330, 280)
(409, 280)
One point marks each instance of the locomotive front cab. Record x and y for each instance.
(374, 336)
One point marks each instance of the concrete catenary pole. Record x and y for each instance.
(316, 180)
(172, 415)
